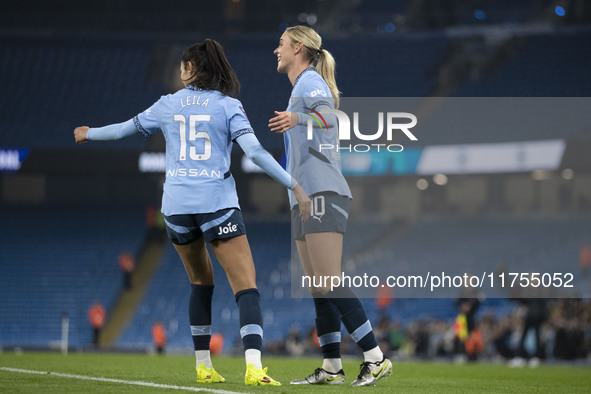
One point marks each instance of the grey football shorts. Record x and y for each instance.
(330, 212)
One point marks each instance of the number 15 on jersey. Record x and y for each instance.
(193, 136)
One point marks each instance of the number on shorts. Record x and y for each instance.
(318, 206)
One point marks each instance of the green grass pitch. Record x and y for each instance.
(408, 377)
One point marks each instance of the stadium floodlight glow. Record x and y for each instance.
(568, 174)
(480, 15)
(491, 157)
(422, 184)
(12, 159)
(152, 162)
(440, 179)
(560, 11)
(541, 175)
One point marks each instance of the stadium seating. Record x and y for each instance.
(69, 269)
(505, 12)
(65, 85)
(57, 261)
(526, 245)
(66, 79)
(547, 65)
(485, 245)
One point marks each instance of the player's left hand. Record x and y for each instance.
(283, 121)
(304, 202)
(80, 134)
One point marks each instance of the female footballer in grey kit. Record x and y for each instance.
(311, 71)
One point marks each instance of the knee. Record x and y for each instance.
(202, 282)
(242, 282)
(204, 279)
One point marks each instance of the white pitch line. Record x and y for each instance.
(110, 380)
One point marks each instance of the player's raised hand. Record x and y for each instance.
(283, 121)
(304, 202)
(80, 134)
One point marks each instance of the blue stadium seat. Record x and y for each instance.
(60, 261)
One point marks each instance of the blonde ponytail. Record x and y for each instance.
(325, 66)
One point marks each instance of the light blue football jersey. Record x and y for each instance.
(316, 170)
(199, 127)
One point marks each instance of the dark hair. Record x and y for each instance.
(213, 71)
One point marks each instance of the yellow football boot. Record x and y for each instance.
(208, 375)
(258, 377)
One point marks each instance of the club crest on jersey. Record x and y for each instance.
(244, 112)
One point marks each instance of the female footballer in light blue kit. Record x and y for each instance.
(319, 241)
(199, 200)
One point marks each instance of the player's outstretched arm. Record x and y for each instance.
(285, 121)
(304, 203)
(259, 156)
(116, 131)
(80, 134)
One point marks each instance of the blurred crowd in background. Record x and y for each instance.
(564, 334)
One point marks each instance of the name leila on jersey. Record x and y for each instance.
(194, 100)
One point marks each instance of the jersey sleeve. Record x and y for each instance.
(111, 132)
(259, 156)
(311, 97)
(313, 87)
(238, 123)
(148, 122)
